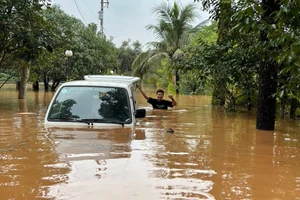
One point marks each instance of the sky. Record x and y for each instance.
(123, 19)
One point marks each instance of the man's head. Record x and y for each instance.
(160, 94)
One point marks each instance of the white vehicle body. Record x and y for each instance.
(98, 101)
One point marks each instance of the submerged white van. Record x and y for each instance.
(98, 100)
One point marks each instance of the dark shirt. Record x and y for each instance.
(164, 104)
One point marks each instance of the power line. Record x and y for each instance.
(89, 8)
(80, 12)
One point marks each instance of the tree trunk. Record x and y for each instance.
(36, 86)
(23, 83)
(219, 90)
(54, 85)
(219, 93)
(230, 103)
(46, 82)
(18, 85)
(177, 78)
(224, 19)
(266, 108)
(46, 85)
(294, 106)
(282, 107)
(249, 105)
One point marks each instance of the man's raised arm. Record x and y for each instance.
(143, 93)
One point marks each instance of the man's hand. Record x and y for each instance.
(138, 86)
(174, 103)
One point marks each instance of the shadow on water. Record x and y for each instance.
(210, 155)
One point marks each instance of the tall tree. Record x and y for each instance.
(266, 109)
(24, 34)
(92, 53)
(126, 53)
(275, 23)
(223, 17)
(172, 31)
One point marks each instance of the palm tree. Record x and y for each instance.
(172, 30)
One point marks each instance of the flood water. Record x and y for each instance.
(210, 155)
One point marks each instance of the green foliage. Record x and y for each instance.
(92, 53)
(9, 77)
(126, 54)
(24, 35)
(172, 30)
(229, 64)
(195, 73)
(159, 77)
(41, 34)
(24, 32)
(171, 87)
(205, 35)
(252, 37)
(193, 82)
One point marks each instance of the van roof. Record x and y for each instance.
(112, 78)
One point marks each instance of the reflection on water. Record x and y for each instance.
(210, 155)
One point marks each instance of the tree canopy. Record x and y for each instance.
(246, 57)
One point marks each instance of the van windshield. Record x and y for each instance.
(91, 103)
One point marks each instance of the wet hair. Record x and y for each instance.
(160, 90)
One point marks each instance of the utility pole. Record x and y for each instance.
(103, 4)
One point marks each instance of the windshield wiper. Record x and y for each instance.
(89, 121)
(102, 121)
(73, 120)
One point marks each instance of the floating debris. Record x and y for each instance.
(170, 130)
(26, 113)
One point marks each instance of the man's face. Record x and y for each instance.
(160, 96)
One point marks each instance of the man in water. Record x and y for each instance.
(159, 102)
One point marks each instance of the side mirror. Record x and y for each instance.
(140, 113)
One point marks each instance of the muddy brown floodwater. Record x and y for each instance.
(210, 155)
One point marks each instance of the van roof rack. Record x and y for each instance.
(112, 78)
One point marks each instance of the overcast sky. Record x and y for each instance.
(123, 19)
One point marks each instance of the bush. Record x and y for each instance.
(193, 82)
(4, 77)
